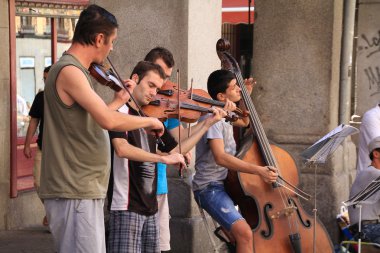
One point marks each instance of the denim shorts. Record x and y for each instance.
(218, 204)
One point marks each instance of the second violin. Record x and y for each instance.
(192, 103)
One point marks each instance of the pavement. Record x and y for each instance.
(38, 240)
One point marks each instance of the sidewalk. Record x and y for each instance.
(38, 240)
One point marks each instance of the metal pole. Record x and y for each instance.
(360, 229)
(346, 61)
(249, 11)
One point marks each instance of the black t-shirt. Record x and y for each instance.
(37, 111)
(142, 175)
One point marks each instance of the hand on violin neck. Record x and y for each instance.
(249, 84)
(130, 85)
(216, 116)
(229, 106)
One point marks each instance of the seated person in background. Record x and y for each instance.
(370, 211)
(369, 129)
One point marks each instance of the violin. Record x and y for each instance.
(106, 77)
(273, 211)
(192, 104)
(198, 95)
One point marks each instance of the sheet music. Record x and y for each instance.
(364, 196)
(331, 133)
(319, 151)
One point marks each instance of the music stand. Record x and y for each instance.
(363, 198)
(318, 154)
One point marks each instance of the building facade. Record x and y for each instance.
(296, 58)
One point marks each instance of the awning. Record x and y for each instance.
(50, 8)
(236, 11)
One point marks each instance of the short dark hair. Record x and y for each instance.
(143, 67)
(47, 69)
(92, 21)
(160, 53)
(371, 154)
(218, 82)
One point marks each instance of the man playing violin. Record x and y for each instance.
(215, 155)
(133, 187)
(165, 59)
(75, 155)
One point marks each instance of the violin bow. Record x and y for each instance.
(191, 97)
(179, 126)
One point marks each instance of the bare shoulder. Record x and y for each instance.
(71, 75)
(73, 85)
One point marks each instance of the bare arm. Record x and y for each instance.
(125, 150)
(197, 131)
(33, 123)
(231, 162)
(72, 86)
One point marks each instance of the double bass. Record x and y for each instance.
(273, 211)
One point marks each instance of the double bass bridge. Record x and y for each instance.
(286, 212)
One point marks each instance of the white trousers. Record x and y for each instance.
(77, 225)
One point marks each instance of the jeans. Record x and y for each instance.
(218, 204)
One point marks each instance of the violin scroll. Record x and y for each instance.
(105, 77)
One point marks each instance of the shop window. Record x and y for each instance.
(41, 34)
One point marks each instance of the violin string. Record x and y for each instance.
(207, 100)
(256, 126)
(191, 97)
(266, 148)
(265, 144)
(201, 99)
(179, 127)
(194, 107)
(292, 222)
(260, 133)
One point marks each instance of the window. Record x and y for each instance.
(41, 34)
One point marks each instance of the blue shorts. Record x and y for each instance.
(218, 204)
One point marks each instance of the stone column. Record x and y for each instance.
(368, 56)
(5, 112)
(296, 63)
